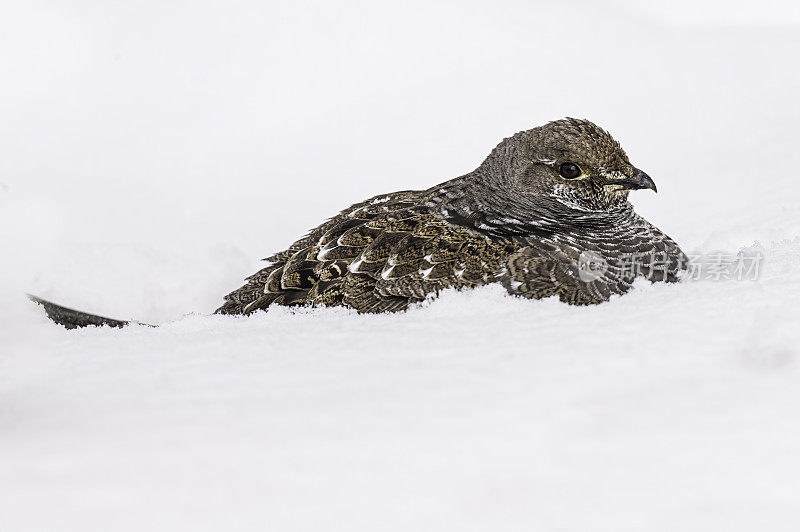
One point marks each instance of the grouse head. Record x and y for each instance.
(570, 160)
(561, 176)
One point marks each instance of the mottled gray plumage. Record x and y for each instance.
(545, 214)
(515, 220)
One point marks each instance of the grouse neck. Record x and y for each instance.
(481, 204)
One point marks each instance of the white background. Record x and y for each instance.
(152, 152)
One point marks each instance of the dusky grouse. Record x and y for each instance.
(546, 214)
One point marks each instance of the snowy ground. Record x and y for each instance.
(152, 153)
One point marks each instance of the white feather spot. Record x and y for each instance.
(325, 251)
(353, 267)
(386, 272)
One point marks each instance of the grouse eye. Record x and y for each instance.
(570, 170)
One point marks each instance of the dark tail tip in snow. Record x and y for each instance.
(73, 319)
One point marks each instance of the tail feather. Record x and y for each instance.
(73, 319)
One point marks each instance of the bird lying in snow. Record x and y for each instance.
(546, 214)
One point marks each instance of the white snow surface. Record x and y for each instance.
(153, 152)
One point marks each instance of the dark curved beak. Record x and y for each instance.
(638, 180)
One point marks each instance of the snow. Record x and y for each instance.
(152, 154)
